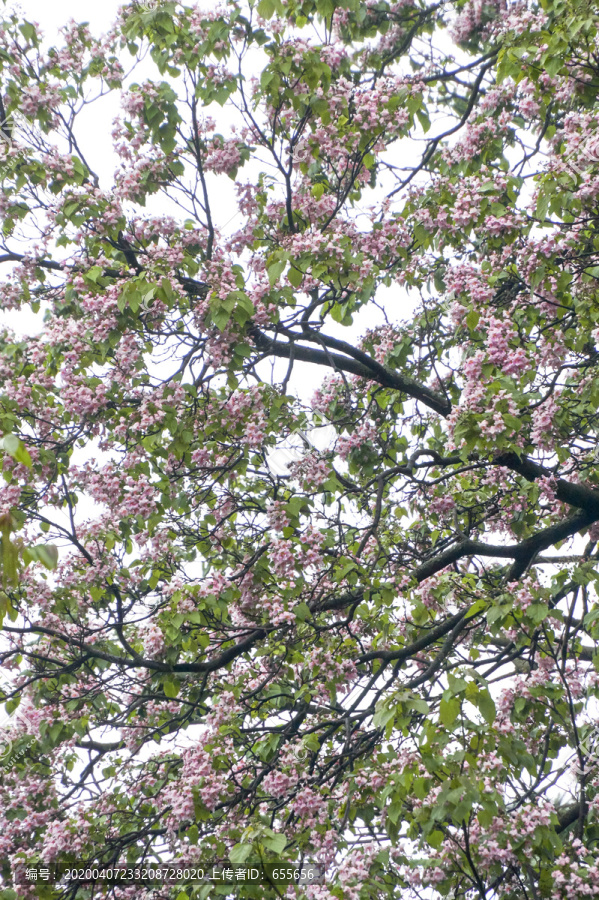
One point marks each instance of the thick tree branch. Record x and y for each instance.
(373, 370)
(579, 495)
(454, 622)
(190, 285)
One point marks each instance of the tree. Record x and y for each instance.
(382, 657)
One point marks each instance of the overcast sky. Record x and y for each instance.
(51, 14)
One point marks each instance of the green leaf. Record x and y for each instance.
(93, 274)
(448, 710)
(275, 842)
(47, 554)
(28, 31)
(168, 289)
(512, 421)
(537, 612)
(302, 612)
(472, 319)
(497, 612)
(486, 704)
(266, 8)
(220, 316)
(476, 607)
(435, 839)
(11, 705)
(171, 688)
(15, 447)
(239, 854)
(485, 817)
(275, 270)
(10, 555)
(424, 120)
(295, 277)
(384, 713)
(542, 205)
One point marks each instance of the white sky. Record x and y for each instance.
(52, 14)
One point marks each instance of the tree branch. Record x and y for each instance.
(373, 370)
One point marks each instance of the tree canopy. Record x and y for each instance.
(375, 652)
